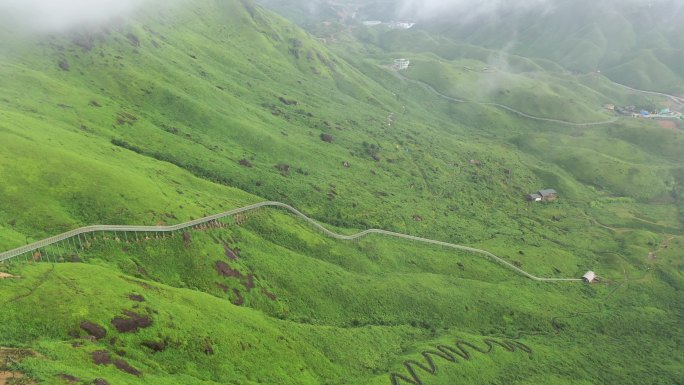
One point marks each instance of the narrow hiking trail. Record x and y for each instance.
(74, 237)
(504, 107)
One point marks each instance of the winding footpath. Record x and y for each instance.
(676, 99)
(505, 107)
(74, 236)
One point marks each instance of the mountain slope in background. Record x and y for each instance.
(186, 109)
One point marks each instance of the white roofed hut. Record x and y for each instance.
(589, 277)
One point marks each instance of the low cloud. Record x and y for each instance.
(49, 16)
(468, 10)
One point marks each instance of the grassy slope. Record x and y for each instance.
(636, 44)
(179, 138)
(337, 308)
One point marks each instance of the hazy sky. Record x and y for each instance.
(57, 15)
(467, 9)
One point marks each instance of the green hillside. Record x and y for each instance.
(185, 110)
(634, 43)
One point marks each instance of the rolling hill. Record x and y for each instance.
(182, 110)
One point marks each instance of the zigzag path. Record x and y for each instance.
(74, 236)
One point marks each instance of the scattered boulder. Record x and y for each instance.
(346, 164)
(94, 103)
(126, 367)
(94, 329)
(327, 138)
(100, 381)
(101, 357)
(417, 218)
(131, 323)
(245, 163)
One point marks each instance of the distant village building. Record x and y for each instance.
(589, 277)
(400, 25)
(401, 64)
(547, 195)
(372, 23)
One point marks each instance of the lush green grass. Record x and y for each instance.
(153, 119)
(351, 312)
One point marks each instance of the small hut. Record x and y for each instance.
(589, 277)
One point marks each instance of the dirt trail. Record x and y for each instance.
(7, 276)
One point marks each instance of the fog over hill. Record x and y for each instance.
(635, 42)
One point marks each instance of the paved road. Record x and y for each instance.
(507, 108)
(676, 99)
(74, 234)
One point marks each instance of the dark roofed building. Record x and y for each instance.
(534, 197)
(548, 195)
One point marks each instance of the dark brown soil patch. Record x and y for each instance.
(208, 347)
(69, 377)
(245, 163)
(131, 323)
(230, 253)
(64, 65)
(126, 367)
(101, 357)
(288, 102)
(144, 285)
(222, 287)
(239, 300)
(136, 298)
(134, 40)
(284, 168)
(155, 346)
(94, 329)
(249, 282)
(268, 294)
(100, 381)
(224, 269)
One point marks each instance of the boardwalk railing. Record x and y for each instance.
(74, 236)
